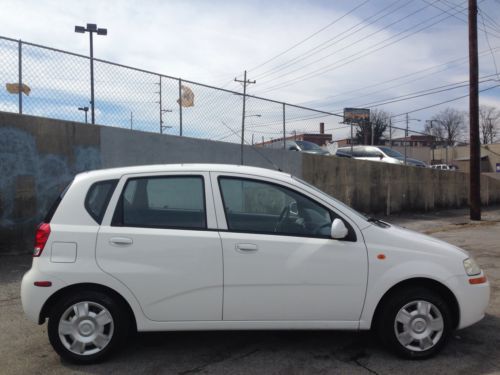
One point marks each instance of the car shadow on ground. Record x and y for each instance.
(473, 350)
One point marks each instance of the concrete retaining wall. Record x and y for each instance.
(38, 157)
(385, 188)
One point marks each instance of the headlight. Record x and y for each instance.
(471, 267)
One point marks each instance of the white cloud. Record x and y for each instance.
(212, 41)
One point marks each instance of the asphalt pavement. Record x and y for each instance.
(24, 347)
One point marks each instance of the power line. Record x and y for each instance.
(332, 41)
(447, 65)
(421, 93)
(455, 15)
(489, 45)
(310, 36)
(362, 39)
(446, 101)
(334, 66)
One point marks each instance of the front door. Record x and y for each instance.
(280, 263)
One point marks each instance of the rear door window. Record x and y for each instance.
(162, 202)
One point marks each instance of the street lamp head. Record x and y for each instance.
(79, 29)
(83, 109)
(102, 31)
(91, 27)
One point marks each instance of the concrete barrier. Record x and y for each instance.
(39, 156)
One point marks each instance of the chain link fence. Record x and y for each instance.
(59, 87)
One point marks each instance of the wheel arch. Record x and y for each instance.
(75, 288)
(424, 282)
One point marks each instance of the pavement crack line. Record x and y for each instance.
(356, 361)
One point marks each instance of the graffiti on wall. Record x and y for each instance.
(39, 176)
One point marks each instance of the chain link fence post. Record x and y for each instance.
(180, 107)
(284, 126)
(20, 74)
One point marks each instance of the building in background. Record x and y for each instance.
(320, 138)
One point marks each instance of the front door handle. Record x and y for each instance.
(246, 247)
(121, 241)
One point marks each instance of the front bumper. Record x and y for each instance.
(473, 299)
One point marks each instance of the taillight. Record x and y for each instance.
(41, 237)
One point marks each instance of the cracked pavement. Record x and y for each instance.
(24, 347)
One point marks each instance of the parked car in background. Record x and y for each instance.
(343, 154)
(444, 167)
(372, 153)
(302, 146)
(382, 154)
(230, 247)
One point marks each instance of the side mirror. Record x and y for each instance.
(339, 230)
(381, 156)
(294, 148)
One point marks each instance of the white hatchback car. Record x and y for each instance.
(224, 247)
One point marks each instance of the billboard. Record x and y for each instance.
(356, 115)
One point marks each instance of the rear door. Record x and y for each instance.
(156, 238)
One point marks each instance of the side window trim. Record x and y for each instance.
(115, 219)
(332, 213)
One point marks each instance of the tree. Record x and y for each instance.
(448, 126)
(379, 120)
(489, 122)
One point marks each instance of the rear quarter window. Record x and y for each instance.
(98, 197)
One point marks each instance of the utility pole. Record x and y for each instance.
(475, 148)
(131, 120)
(390, 132)
(406, 135)
(371, 130)
(352, 140)
(245, 83)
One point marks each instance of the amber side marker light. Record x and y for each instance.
(381, 256)
(478, 280)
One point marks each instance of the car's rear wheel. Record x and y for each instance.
(87, 327)
(414, 322)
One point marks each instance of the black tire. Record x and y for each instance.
(117, 330)
(386, 325)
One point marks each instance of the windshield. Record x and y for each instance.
(350, 209)
(308, 146)
(390, 152)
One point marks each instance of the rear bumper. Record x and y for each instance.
(33, 298)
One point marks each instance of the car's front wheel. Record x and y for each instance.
(87, 327)
(414, 322)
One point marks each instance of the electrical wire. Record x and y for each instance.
(421, 93)
(310, 36)
(332, 41)
(444, 102)
(330, 67)
(362, 39)
(447, 65)
(489, 46)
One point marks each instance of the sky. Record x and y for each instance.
(320, 54)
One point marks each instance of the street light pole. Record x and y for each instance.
(84, 109)
(91, 29)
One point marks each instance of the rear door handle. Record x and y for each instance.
(246, 247)
(121, 241)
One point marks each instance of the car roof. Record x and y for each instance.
(187, 167)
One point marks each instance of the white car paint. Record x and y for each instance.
(200, 280)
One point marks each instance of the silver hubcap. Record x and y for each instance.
(418, 325)
(86, 328)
